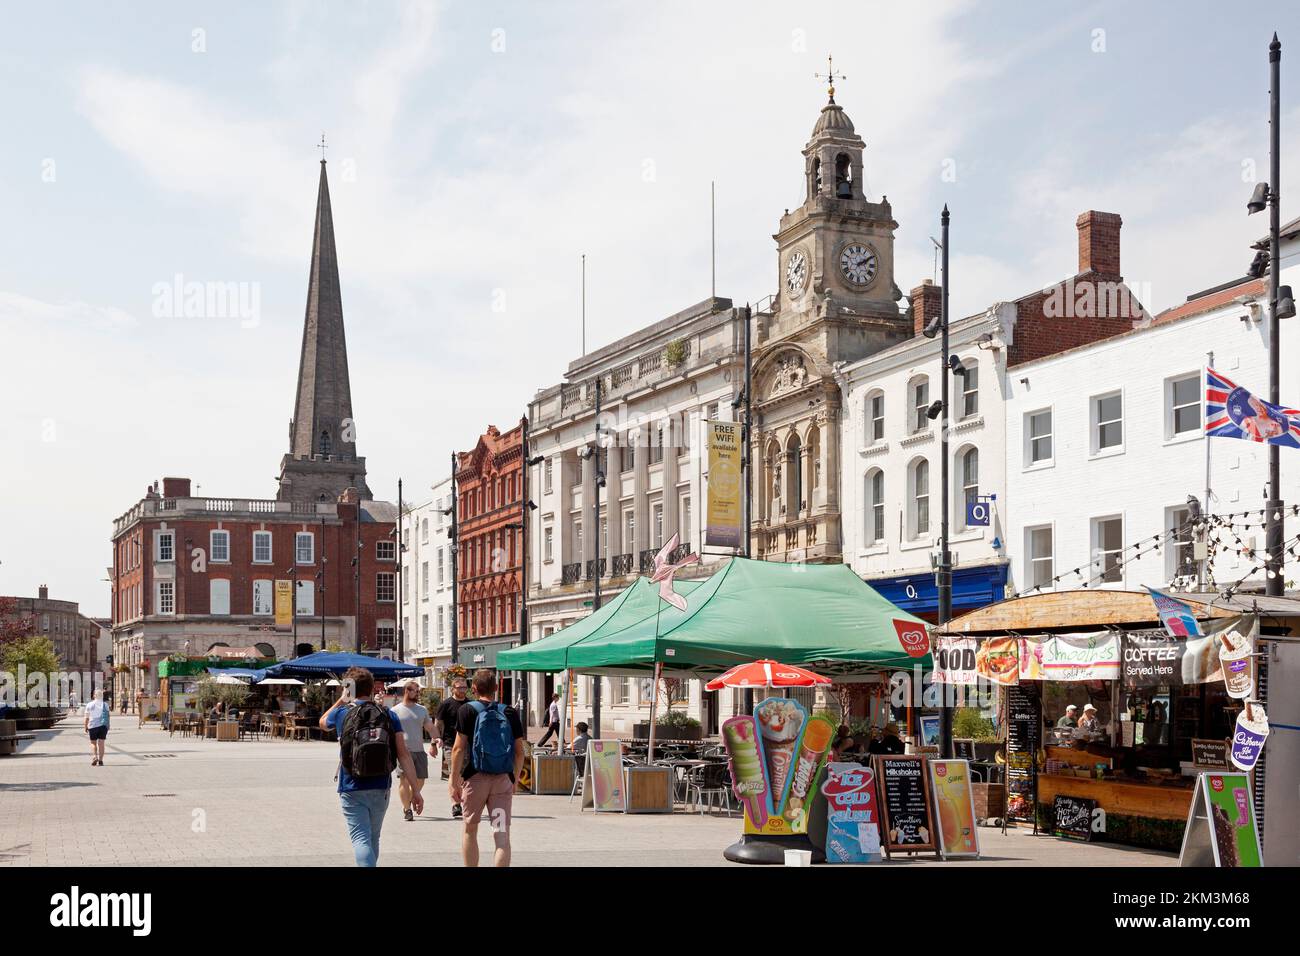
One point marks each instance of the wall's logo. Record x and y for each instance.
(74, 909)
(913, 637)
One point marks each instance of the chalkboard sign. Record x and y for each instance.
(1072, 817)
(963, 748)
(1209, 753)
(905, 804)
(1024, 718)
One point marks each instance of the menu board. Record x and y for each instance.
(905, 804)
(1024, 718)
(1209, 753)
(963, 748)
(1072, 817)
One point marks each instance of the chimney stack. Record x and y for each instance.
(176, 487)
(927, 304)
(44, 592)
(1099, 243)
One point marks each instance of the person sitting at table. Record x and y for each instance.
(888, 743)
(1088, 723)
(579, 745)
(843, 743)
(1070, 718)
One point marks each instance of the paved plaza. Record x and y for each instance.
(162, 800)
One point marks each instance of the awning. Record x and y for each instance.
(328, 664)
(796, 613)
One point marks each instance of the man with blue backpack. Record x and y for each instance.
(486, 759)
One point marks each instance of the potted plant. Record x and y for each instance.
(676, 725)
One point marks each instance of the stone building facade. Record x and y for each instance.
(73, 635)
(427, 602)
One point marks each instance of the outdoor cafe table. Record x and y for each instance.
(680, 768)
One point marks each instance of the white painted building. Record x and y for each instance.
(427, 594)
(1105, 444)
(891, 479)
(658, 386)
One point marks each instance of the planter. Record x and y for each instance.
(35, 718)
(990, 800)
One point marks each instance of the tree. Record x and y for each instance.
(37, 654)
(14, 625)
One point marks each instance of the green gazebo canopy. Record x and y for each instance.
(635, 603)
(810, 614)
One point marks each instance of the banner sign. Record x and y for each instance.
(1236, 649)
(1221, 828)
(776, 763)
(284, 604)
(1071, 657)
(852, 819)
(1248, 739)
(723, 518)
(1233, 412)
(1223, 652)
(998, 660)
(905, 800)
(604, 772)
(913, 637)
(954, 804)
(954, 660)
(1152, 658)
(1175, 615)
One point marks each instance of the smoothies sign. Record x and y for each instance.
(852, 819)
(776, 760)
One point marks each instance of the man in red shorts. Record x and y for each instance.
(486, 759)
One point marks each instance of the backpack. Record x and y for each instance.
(366, 746)
(493, 748)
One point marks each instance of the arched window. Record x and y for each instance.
(968, 467)
(843, 177)
(814, 459)
(325, 443)
(919, 482)
(874, 488)
(918, 390)
(793, 477)
(817, 175)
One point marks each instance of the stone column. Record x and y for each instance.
(640, 487)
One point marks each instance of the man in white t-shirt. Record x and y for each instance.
(552, 720)
(414, 718)
(95, 723)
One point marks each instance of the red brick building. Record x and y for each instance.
(489, 491)
(193, 573)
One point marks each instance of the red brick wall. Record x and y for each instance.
(1099, 243)
(927, 304)
(489, 490)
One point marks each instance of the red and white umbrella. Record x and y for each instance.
(767, 673)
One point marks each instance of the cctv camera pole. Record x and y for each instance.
(1274, 584)
(747, 466)
(945, 556)
(595, 593)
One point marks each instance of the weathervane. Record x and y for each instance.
(830, 76)
(321, 146)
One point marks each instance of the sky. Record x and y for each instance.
(477, 150)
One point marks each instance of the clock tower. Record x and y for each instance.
(836, 302)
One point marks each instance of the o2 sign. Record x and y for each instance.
(977, 514)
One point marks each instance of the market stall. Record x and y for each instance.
(1107, 716)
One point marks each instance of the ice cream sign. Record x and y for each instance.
(776, 759)
(852, 820)
(1248, 739)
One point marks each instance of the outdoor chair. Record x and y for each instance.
(707, 784)
(296, 730)
(581, 761)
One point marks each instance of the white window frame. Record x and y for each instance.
(304, 602)
(918, 406)
(875, 418)
(165, 598)
(1175, 517)
(270, 552)
(548, 543)
(383, 578)
(158, 538)
(964, 490)
(1030, 437)
(1096, 423)
(424, 580)
(1171, 409)
(1097, 559)
(298, 540)
(1032, 559)
(873, 526)
(212, 546)
(914, 499)
(970, 389)
(385, 550)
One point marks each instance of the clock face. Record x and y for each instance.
(858, 263)
(796, 273)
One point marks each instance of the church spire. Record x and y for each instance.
(322, 457)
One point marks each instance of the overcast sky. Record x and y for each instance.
(477, 149)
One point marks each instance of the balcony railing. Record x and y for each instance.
(571, 573)
(679, 552)
(591, 568)
(622, 565)
(648, 559)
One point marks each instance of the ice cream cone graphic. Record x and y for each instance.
(779, 721)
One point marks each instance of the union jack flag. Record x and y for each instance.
(1233, 412)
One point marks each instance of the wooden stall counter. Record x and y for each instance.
(1120, 796)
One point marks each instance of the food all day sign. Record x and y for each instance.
(954, 660)
(723, 525)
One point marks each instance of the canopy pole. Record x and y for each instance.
(654, 706)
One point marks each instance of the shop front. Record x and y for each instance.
(1109, 718)
(973, 587)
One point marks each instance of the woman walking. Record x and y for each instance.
(96, 725)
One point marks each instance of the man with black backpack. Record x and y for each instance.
(486, 759)
(371, 746)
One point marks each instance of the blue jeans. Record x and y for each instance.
(364, 812)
